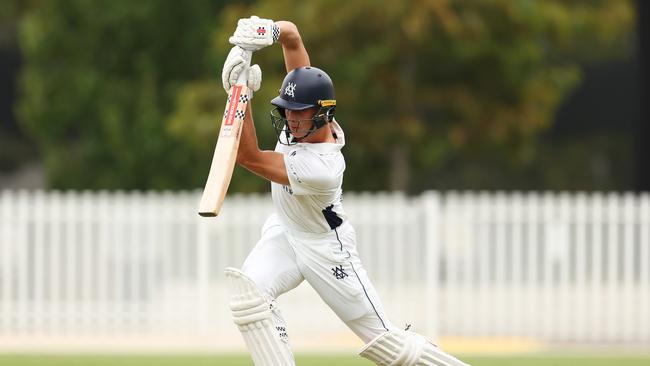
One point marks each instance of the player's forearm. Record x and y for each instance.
(266, 164)
(295, 54)
(248, 145)
(269, 165)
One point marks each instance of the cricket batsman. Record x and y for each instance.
(308, 237)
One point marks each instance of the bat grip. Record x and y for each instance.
(243, 76)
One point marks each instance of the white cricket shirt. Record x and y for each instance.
(311, 202)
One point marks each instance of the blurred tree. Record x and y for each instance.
(126, 94)
(99, 80)
(423, 84)
(15, 149)
(643, 138)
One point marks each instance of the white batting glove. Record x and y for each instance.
(255, 33)
(233, 67)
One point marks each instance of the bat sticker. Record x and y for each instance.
(232, 105)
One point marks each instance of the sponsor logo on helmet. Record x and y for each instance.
(290, 89)
(327, 103)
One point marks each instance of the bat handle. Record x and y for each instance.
(243, 76)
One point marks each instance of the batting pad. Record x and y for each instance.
(252, 314)
(404, 348)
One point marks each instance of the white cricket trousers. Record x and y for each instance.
(329, 262)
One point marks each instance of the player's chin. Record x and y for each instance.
(298, 134)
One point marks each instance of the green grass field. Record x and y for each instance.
(240, 360)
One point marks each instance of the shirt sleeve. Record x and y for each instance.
(309, 174)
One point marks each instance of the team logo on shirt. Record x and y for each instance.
(288, 189)
(290, 90)
(339, 273)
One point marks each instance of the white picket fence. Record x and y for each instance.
(551, 267)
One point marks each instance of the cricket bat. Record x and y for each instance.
(225, 153)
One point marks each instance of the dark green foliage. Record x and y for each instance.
(100, 78)
(126, 94)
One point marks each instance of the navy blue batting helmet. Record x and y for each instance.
(304, 87)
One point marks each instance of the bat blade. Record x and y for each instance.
(225, 153)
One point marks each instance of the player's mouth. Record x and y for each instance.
(296, 131)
